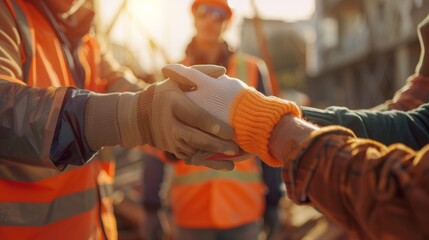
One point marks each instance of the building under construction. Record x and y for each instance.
(364, 50)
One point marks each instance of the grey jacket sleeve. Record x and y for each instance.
(42, 127)
(410, 128)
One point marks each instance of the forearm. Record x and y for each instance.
(388, 127)
(39, 125)
(372, 190)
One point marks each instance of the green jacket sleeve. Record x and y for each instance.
(410, 128)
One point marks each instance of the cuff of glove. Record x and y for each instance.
(144, 115)
(118, 119)
(101, 125)
(253, 118)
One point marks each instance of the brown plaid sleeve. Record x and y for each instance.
(375, 191)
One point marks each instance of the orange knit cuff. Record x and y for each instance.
(253, 118)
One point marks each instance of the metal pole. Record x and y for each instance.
(265, 51)
(115, 18)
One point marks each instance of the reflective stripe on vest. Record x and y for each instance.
(38, 214)
(245, 68)
(27, 50)
(209, 174)
(205, 198)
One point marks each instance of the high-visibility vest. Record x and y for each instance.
(207, 198)
(245, 68)
(39, 203)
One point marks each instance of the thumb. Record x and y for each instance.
(213, 71)
(200, 159)
(171, 72)
(177, 73)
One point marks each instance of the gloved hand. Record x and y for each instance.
(217, 161)
(251, 114)
(161, 116)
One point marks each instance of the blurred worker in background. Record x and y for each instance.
(47, 124)
(210, 204)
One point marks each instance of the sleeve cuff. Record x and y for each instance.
(302, 162)
(69, 145)
(319, 116)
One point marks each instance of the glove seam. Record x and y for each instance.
(144, 115)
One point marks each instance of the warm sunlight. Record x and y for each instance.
(170, 25)
(288, 10)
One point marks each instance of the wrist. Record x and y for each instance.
(253, 118)
(116, 119)
(144, 115)
(127, 119)
(101, 127)
(289, 128)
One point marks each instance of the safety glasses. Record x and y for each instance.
(215, 13)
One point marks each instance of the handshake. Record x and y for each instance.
(200, 115)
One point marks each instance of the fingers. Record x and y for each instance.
(200, 140)
(213, 71)
(235, 158)
(200, 159)
(185, 84)
(192, 115)
(184, 75)
(183, 150)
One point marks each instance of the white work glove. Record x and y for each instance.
(251, 114)
(218, 161)
(214, 94)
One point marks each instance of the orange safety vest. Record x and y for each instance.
(39, 203)
(207, 198)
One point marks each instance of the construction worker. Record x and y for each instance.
(218, 203)
(48, 124)
(373, 190)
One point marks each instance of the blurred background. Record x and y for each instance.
(353, 53)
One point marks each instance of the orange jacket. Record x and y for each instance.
(37, 200)
(206, 198)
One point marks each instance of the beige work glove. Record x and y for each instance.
(161, 116)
